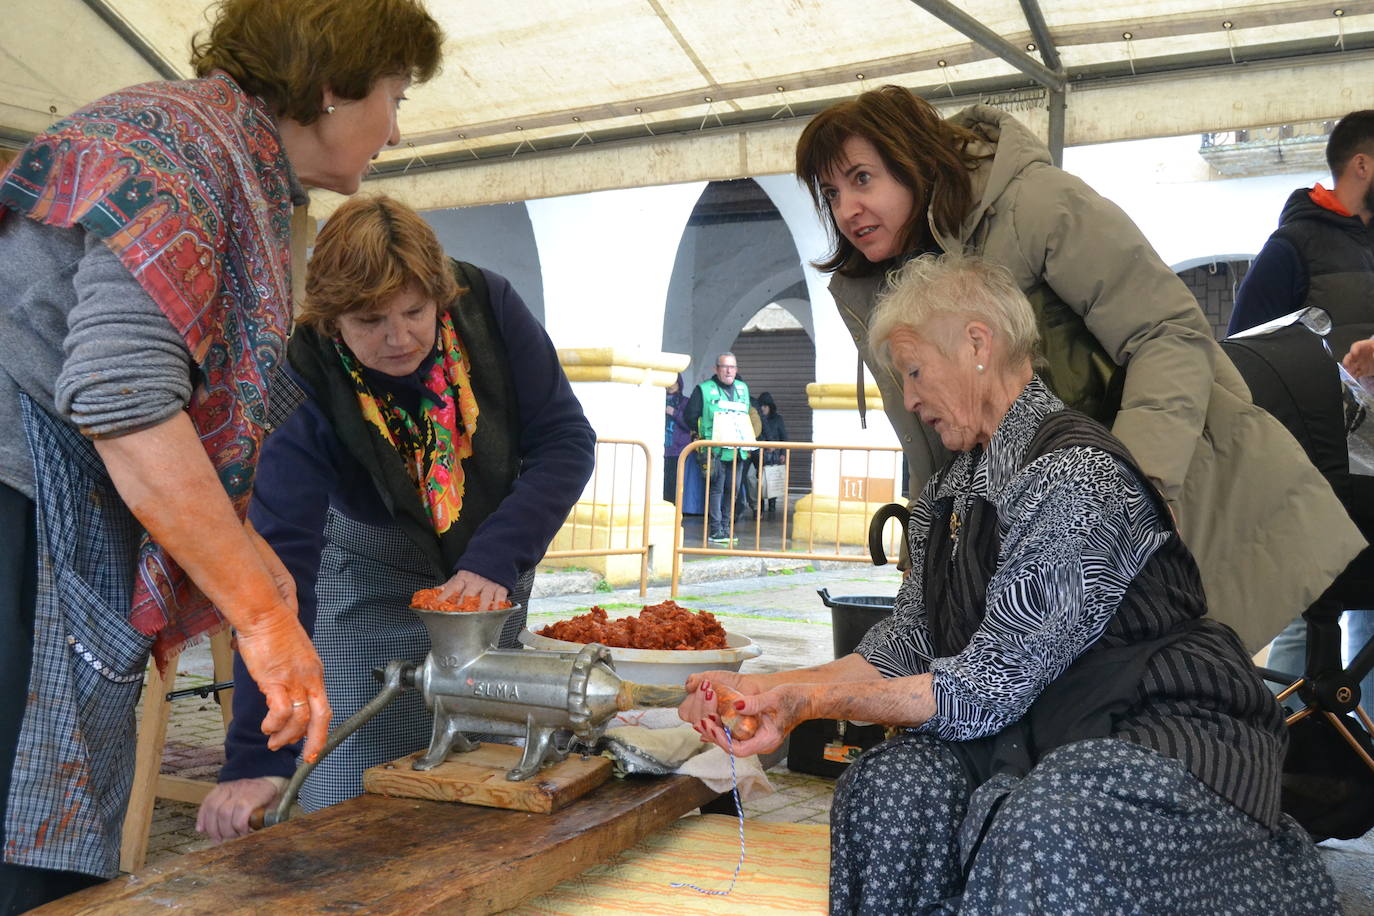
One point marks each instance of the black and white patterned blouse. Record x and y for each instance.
(1075, 528)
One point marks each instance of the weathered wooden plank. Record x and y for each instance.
(479, 778)
(378, 855)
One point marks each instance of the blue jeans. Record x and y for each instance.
(1288, 652)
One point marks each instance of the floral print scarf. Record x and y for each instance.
(433, 444)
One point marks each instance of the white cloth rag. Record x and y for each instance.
(657, 741)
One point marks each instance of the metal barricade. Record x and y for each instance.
(618, 479)
(808, 542)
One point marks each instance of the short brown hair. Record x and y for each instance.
(372, 248)
(919, 148)
(288, 51)
(1353, 134)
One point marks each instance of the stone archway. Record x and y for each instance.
(736, 256)
(499, 238)
(780, 353)
(1214, 281)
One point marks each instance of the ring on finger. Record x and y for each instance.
(298, 704)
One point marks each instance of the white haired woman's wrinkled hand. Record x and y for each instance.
(778, 711)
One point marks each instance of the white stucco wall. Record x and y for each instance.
(1163, 186)
(607, 259)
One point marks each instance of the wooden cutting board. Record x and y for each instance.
(397, 857)
(479, 778)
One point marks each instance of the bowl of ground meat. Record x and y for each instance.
(662, 644)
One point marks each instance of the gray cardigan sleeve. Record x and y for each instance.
(125, 367)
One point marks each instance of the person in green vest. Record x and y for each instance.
(719, 409)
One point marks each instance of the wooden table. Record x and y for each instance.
(391, 855)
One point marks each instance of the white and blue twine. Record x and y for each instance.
(739, 810)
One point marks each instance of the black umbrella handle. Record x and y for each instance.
(875, 530)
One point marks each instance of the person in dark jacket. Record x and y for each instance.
(1072, 724)
(676, 435)
(433, 440)
(773, 429)
(1321, 256)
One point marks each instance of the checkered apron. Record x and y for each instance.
(75, 759)
(367, 575)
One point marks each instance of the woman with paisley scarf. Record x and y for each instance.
(432, 439)
(146, 270)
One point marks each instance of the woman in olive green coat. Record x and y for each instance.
(1125, 340)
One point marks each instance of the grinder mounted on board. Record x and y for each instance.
(472, 686)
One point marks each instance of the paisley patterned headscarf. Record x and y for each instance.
(433, 444)
(188, 183)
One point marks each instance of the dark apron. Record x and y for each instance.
(363, 620)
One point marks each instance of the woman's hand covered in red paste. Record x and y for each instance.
(464, 583)
(281, 659)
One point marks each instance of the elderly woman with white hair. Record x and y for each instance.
(1075, 735)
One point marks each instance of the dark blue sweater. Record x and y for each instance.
(1320, 256)
(305, 469)
(1275, 285)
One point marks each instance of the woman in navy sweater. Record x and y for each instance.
(432, 440)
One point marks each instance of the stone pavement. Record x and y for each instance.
(779, 609)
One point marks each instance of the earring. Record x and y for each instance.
(329, 110)
(980, 367)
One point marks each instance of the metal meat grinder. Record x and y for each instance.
(471, 686)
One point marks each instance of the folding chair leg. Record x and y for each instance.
(222, 653)
(152, 735)
(1349, 739)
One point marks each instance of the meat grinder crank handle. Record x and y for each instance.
(397, 677)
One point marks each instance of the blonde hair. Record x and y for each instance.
(929, 294)
(372, 248)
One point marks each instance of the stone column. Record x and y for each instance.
(618, 389)
(834, 398)
(607, 259)
(848, 486)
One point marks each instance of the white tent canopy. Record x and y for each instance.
(539, 99)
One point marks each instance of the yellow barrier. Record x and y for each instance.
(824, 518)
(610, 515)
